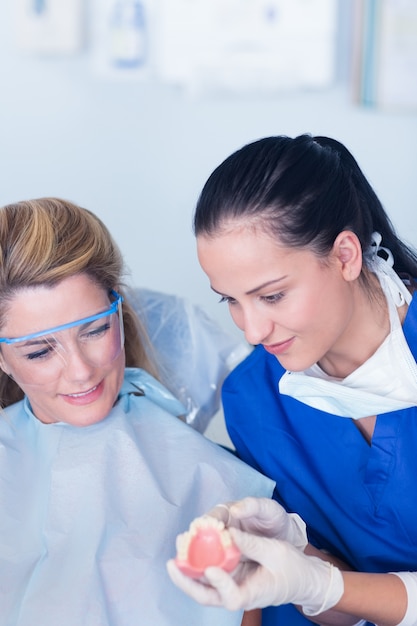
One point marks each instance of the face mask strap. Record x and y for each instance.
(383, 266)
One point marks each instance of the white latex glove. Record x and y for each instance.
(275, 573)
(264, 517)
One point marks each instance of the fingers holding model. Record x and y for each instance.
(271, 571)
(208, 541)
(281, 574)
(275, 573)
(263, 516)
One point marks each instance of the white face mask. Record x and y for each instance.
(386, 382)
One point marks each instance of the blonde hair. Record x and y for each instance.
(46, 240)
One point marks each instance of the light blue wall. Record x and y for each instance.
(138, 154)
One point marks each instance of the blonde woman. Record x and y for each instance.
(97, 474)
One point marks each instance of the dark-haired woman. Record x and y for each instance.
(293, 238)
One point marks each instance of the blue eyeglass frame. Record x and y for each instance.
(85, 320)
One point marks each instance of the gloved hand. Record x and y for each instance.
(264, 517)
(275, 573)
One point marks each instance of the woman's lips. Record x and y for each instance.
(279, 348)
(84, 397)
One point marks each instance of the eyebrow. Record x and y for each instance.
(258, 288)
(49, 339)
(39, 341)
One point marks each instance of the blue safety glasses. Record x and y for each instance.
(39, 357)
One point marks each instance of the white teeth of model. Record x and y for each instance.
(82, 393)
(206, 521)
(184, 540)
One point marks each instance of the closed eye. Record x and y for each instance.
(273, 298)
(40, 354)
(227, 299)
(96, 333)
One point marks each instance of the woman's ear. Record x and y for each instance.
(348, 252)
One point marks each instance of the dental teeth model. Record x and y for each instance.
(207, 543)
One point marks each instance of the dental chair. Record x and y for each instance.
(194, 353)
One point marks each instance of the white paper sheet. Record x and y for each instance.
(246, 45)
(49, 26)
(396, 72)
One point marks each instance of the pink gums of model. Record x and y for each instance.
(207, 543)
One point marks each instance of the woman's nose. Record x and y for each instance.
(76, 366)
(256, 326)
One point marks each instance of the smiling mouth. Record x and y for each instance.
(279, 348)
(81, 394)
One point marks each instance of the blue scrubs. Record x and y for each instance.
(359, 501)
